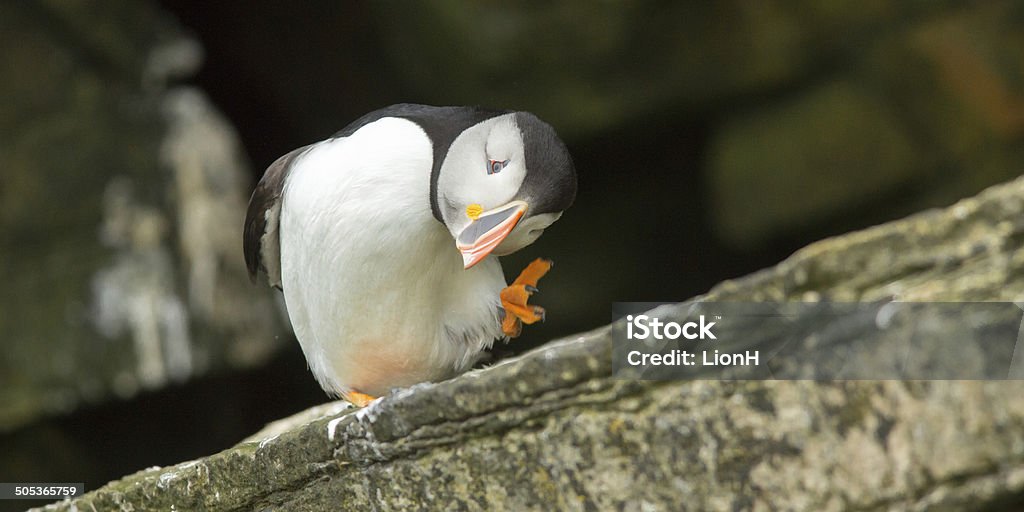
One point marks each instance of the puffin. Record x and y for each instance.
(384, 240)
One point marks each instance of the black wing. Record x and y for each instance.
(260, 239)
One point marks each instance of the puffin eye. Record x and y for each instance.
(495, 166)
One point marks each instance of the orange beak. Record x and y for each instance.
(487, 231)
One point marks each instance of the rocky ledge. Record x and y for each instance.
(553, 429)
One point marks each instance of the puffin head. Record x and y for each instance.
(503, 181)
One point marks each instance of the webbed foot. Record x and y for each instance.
(515, 298)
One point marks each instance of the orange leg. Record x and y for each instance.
(358, 399)
(515, 296)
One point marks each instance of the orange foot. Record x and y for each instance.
(358, 399)
(515, 296)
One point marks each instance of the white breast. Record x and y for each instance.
(374, 285)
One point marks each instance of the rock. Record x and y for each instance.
(120, 213)
(552, 429)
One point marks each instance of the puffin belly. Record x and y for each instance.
(429, 331)
(374, 285)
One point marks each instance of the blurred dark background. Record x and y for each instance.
(711, 140)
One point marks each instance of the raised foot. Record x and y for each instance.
(515, 298)
(358, 399)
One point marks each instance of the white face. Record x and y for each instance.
(483, 196)
(466, 179)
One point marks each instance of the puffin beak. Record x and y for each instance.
(487, 231)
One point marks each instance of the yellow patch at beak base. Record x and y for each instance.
(474, 210)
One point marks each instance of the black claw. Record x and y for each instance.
(540, 312)
(532, 289)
